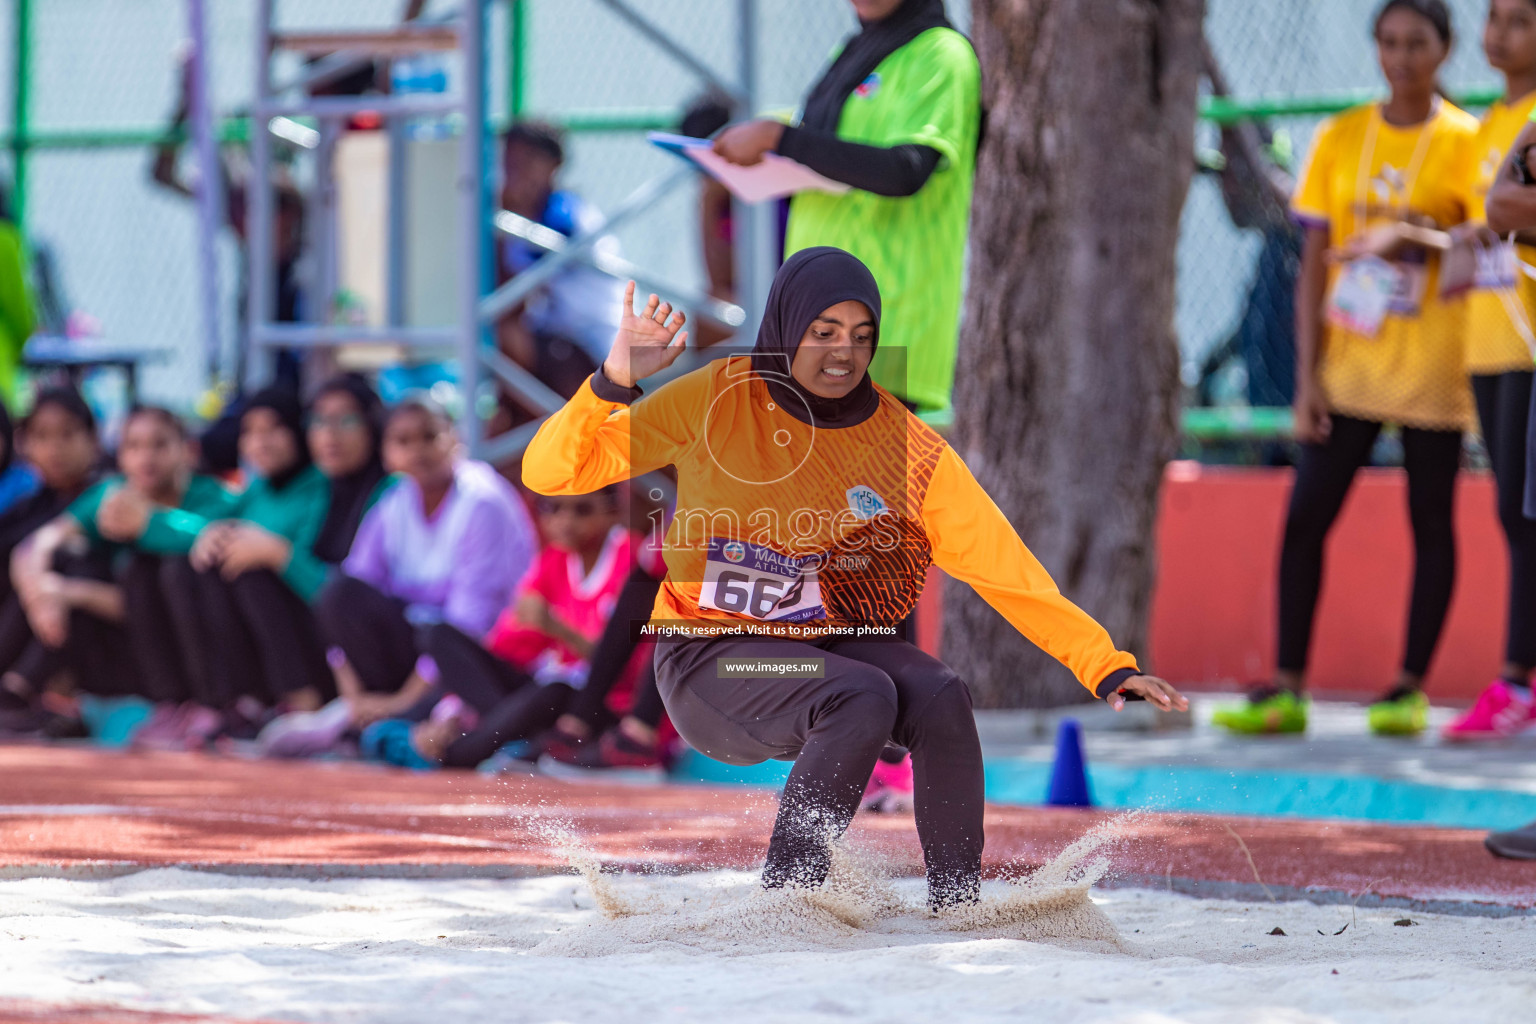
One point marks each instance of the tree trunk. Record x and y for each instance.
(1068, 378)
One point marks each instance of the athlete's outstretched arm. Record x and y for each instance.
(596, 439)
(974, 542)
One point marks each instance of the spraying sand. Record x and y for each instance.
(402, 952)
(857, 908)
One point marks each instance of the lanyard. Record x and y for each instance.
(1368, 157)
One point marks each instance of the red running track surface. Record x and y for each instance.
(82, 812)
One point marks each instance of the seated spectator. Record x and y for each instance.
(446, 544)
(585, 735)
(244, 606)
(58, 437)
(18, 480)
(536, 658)
(563, 331)
(108, 526)
(346, 433)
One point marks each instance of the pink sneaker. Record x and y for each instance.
(890, 787)
(1497, 714)
(165, 729)
(199, 727)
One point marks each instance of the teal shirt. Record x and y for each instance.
(205, 498)
(294, 512)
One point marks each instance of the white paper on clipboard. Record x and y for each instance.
(776, 176)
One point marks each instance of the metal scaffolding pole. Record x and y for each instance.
(210, 188)
(260, 301)
(474, 212)
(756, 227)
(395, 221)
(21, 110)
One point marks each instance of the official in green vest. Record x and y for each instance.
(17, 318)
(897, 117)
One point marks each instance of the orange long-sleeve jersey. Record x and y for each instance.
(779, 522)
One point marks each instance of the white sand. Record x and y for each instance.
(708, 948)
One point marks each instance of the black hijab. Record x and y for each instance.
(285, 405)
(350, 493)
(862, 54)
(810, 281)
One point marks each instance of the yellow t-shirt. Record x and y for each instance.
(1364, 172)
(1494, 345)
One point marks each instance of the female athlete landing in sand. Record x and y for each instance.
(810, 504)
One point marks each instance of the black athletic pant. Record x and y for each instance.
(371, 629)
(833, 728)
(1324, 473)
(223, 663)
(250, 637)
(158, 638)
(95, 652)
(510, 704)
(613, 652)
(20, 651)
(1503, 404)
(286, 634)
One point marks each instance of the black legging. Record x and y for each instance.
(96, 652)
(1503, 404)
(250, 637)
(287, 635)
(511, 705)
(371, 629)
(833, 728)
(157, 637)
(613, 652)
(1324, 473)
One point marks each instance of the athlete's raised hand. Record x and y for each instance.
(647, 342)
(1160, 693)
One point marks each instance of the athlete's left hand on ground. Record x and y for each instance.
(1160, 693)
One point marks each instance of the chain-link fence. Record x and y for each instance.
(1237, 266)
(103, 78)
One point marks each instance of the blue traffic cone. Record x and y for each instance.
(1069, 776)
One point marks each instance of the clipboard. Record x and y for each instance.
(775, 177)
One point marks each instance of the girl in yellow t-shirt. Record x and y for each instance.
(1376, 344)
(1499, 318)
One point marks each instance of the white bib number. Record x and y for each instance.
(759, 583)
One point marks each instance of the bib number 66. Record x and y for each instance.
(740, 593)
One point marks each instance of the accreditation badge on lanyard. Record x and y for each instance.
(1497, 266)
(1370, 288)
(1363, 295)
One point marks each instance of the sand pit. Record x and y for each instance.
(710, 946)
(858, 908)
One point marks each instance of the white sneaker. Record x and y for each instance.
(306, 733)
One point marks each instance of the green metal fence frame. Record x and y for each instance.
(1199, 424)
